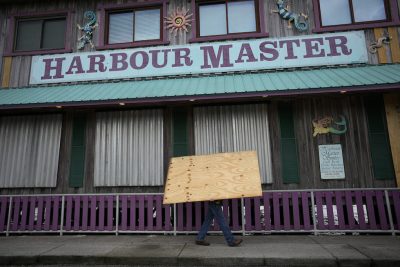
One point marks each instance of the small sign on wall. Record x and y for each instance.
(331, 161)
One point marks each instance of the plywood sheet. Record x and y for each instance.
(213, 177)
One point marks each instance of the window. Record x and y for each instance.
(218, 20)
(134, 25)
(40, 34)
(354, 14)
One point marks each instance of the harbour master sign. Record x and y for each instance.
(244, 55)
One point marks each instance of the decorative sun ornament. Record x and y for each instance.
(179, 20)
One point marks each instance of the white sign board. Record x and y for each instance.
(331, 161)
(256, 54)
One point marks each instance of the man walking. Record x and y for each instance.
(215, 211)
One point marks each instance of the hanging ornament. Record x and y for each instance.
(179, 20)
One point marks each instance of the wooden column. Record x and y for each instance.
(394, 44)
(382, 55)
(6, 72)
(392, 107)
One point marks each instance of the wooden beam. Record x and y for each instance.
(5, 82)
(213, 177)
(392, 107)
(379, 32)
(394, 44)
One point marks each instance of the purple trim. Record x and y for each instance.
(329, 209)
(124, 212)
(141, 213)
(103, 9)
(277, 214)
(159, 211)
(248, 208)
(393, 16)
(77, 209)
(149, 201)
(261, 20)
(85, 212)
(130, 45)
(15, 214)
(382, 210)
(296, 213)
(3, 208)
(339, 209)
(267, 212)
(110, 212)
(47, 214)
(305, 200)
(93, 204)
(31, 223)
(396, 202)
(369, 195)
(349, 208)
(286, 213)
(9, 50)
(24, 215)
(228, 37)
(133, 218)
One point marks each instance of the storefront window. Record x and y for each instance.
(213, 18)
(137, 24)
(133, 26)
(354, 14)
(40, 34)
(219, 20)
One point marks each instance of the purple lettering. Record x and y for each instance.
(57, 68)
(119, 62)
(96, 60)
(289, 47)
(134, 63)
(179, 57)
(334, 46)
(223, 51)
(265, 50)
(312, 47)
(75, 64)
(245, 51)
(154, 58)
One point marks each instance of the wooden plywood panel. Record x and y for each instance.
(213, 177)
(392, 107)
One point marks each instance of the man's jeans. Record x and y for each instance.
(215, 211)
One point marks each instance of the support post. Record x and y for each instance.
(313, 213)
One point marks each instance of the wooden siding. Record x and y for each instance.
(275, 26)
(356, 156)
(392, 107)
(355, 147)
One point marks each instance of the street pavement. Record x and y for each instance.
(167, 250)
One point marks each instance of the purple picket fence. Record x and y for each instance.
(144, 213)
(279, 211)
(31, 213)
(363, 210)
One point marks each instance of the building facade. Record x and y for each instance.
(97, 96)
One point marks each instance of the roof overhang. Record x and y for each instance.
(243, 86)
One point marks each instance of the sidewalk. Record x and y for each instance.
(261, 250)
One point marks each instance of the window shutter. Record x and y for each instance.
(77, 163)
(289, 161)
(378, 140)
(180, 136)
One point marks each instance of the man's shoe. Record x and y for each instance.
(202, 243)
(236, 243)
